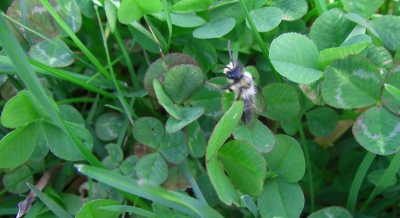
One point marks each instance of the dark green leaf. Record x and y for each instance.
(108, 126)
(282, 101)
(188, 115)
(187, 20)
(174, 147)
(13, 177)
(331, 29)
(53, 53)
(94, 209)
(165, 101)
(393, 79)
(182, 80)
(215, 28)
(224, 128)
(209, 98)
(377, 130)
(196, 140)
(292, 9)
(388, 28)
(259, 135)
(295, 57)
(322, 121)
(352, 82)
(245, 166)
(153, 168)
(365, 8)
(281, 199)
(149, 131)
(266, 18)
(287, 159)
(328, 212)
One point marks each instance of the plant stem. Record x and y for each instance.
(308, 162)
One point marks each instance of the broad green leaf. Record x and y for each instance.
(282, 101)
(375, 176)
(17, 146)
(215, 28)
(207, 190)
(362, 23)
(187, 20)
(70, 114)
(377, 130)
(365, 8)
(265, 18)
(245, 166)
(182, 80)
(111, 9)
(310, 95)
(295, 57)
(224, 128)
(41, 149)
(329, 212)
(115, 152)
(128, 166)
(130, 210)
(54, 54)
(13, 177)
(174, 147)
(352, 46)
(39, 19)
(209, 98)
(145, 38)
(287, 159)
(148, 131)
(393, 79)
(61, 145)
(223, 9)
(289, 127)
(393, 91)
(292, 9)
(165, 101)
(259, 135)
(188, 115)
(18, 111)
(388, 29)
(108, 126)
(280, 199)
(202, 51)
(153, 168)
(196, 140)
(94, 209)
(86, 8)
(248, 201)
(322, 121)
(223, 186)
(150, 191)
(132, 10)
(380, 56)
(159, 68)
(352, 82)
(331, 29)
(227, 100)
(186, 6)
(50, 203)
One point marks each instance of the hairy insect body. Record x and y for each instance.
(242, 84)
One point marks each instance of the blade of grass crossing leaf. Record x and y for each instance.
(120, 96)
(152, 192)
(169, 21)
(53, 206)
(20, 62)
(135, 81)
(321, 6)
(384, 181)
(193, 183)
(260, 41)
(69, 78)
(24, 16)
(78, 42)
(358, 178)
(130, 209)
(308, 162)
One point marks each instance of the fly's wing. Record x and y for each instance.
(259, 104)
